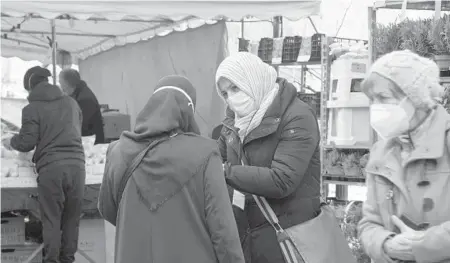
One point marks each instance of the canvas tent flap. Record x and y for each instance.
(87, 28)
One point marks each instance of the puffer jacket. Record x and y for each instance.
(284, 167)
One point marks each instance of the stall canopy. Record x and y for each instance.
(88, 28)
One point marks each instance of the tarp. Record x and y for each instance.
(124, 77)
(87, 28)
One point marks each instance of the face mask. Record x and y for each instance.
(240, 103)
(389, 120)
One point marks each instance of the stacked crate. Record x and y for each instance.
(14, 247)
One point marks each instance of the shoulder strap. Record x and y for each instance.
(266, 209)
(134, 164)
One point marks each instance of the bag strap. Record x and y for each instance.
(134, 164)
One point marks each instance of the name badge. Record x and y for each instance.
(238, 199)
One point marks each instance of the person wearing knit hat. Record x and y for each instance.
(276, 136)
(51, 126)
(162, 187)
(406, 216)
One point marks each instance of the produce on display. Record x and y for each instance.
(12, 160)
(349, 49)
(350, 163)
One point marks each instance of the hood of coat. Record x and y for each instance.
(286, 94)
(168, 112)
(45, 91)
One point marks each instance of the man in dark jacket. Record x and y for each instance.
(74, 86)
(51, 124)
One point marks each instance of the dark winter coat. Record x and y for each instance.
(175, 207)
(283, 154)
(51, 123)
(92, 116)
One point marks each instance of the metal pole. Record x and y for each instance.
(277, 26)
(54, 50)
(242, 28)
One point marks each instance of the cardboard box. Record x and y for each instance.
(13, 231)
(20, 253)
(91, 241)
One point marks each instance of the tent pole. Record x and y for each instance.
(242, 28)
(54, 50)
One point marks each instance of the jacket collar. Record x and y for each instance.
(430, 145)
(271, 120)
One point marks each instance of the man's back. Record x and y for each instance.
(51, 122)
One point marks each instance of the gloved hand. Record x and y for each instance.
(400, 246)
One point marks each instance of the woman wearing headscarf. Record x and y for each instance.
(406, 216)
(174, 207)
(278, 136)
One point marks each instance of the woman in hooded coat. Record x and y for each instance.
(278, 136)
(175, 206)
(406, 216)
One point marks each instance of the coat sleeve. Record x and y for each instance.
(219, 214)
(299, 141)
(107, 205)
(222, 147)
(434, 247)
(28, 135)
(371, 230)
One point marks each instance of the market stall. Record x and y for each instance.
(48, 31)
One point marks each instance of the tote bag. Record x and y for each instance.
(319, 240)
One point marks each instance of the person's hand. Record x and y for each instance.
(400, 246)
(6, 142)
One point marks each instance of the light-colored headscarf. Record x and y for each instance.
(256, 79)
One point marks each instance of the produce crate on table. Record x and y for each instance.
(20, 253)
(13, 230)
(312, 99)
(243, 45)
(316, 47)
(291, 48)
(265, 49)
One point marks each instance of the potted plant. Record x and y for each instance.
(351, 165)
(363, 163)
(387, 38)
(415, 36)
(333, 163)
(439, 38)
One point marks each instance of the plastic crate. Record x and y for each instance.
(20, 253)
(316, 47)
(265, 49)
(291, 48)
(243, 45)
(312, 99)
(13, 231)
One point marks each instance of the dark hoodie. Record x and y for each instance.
(51, 123)
(175, 204)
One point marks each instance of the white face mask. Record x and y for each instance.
(240, 103)
(390, 120)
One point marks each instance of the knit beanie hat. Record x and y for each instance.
(181, 83)
(416, 76)
(34, 76)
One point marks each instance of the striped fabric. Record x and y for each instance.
(256, 79)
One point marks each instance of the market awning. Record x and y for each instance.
(87, 28)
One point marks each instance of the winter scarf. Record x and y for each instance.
(256, 79)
